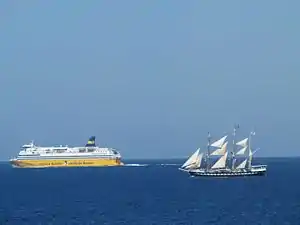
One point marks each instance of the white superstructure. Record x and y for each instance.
(32, 151)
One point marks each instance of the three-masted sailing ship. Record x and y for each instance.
(217, 162)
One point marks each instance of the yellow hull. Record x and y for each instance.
(65, 163)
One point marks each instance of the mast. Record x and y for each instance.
(252, 133)
(235, 127)
(208, 150)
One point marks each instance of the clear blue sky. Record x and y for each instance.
(149, 77)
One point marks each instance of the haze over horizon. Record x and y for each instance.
(149, 78)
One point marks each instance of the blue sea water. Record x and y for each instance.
(157, 193)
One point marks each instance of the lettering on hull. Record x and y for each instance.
(65, 163)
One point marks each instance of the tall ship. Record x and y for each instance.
(90, 155)
(216, 161)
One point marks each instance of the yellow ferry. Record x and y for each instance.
(32, 156)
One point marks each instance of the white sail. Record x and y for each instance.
(192, 159)
(197, 163)
(219, 142)
(241, 151)
(220, 151)
(242, 165)
(242, 143)
(221, 163)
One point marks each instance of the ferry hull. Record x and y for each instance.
(36, 163)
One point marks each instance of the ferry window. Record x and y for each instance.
(91, 150)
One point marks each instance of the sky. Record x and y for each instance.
(149, 78)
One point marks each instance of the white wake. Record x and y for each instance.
(135, 164)
(169, 164)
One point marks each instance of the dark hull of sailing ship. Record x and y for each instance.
(229, 173)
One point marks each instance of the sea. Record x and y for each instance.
(148, 192)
